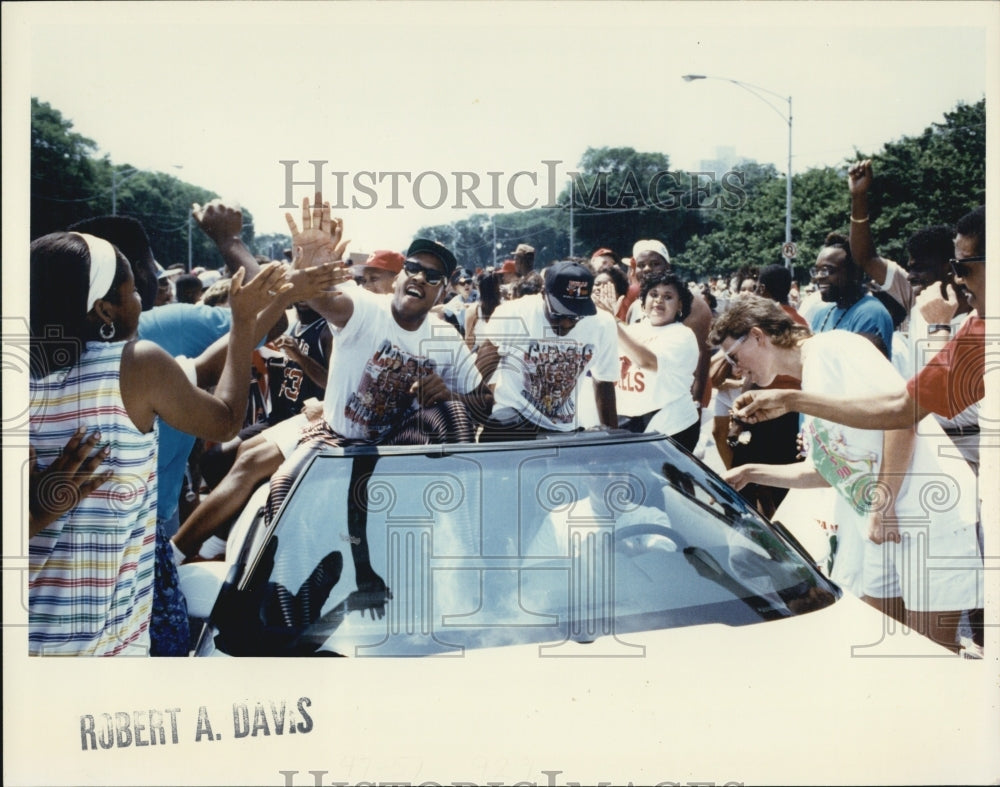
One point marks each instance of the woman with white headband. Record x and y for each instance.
(91, 567)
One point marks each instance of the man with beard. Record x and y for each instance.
(951, 381)
(850, 307)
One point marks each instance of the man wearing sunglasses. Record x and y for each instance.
(950, 382)
(936, 305)
(538, 349)
(392, 358)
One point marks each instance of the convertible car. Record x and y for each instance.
(593, 543)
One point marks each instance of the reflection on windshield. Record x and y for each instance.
(411, 554)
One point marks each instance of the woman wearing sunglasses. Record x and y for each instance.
(915, 562)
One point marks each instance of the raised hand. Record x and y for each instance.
(604, 297)
(321, 238)
(221, 222)
(308, 283)
(859, 177)
(246, 300)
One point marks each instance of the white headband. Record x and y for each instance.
(103, 266)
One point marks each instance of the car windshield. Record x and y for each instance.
(419, 553)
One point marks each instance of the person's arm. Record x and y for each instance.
(471, 318)
(224, 225)
(892, 411)
(859, 181)
(636, 352)
(64, 483)
(897, 451)
(431, 389)
(487, 359)
(606, 299)
(313, 369)
(607, 407)
(720, 374)
(321, 241)
(700, 321)
(152, 383)
(798, 475)
(209, 365)
(938, 309)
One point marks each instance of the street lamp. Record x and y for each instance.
(756, 90)
(116, 178)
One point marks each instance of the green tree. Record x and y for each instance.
(272, 245)
(163, 204)
(933, 178)
(69, 184)
(63, 188)
(737, 220)
(747, 227)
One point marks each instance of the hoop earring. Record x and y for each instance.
(107, 331)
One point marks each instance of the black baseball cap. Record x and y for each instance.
(568, 287)
(428, 246)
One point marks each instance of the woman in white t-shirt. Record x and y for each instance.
(658, 356)
(917, 560)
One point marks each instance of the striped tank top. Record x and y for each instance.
(90, 577)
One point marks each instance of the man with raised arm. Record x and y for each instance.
(398, 373)
(950, 382)
(919, 288)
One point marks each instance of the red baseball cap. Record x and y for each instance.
(391, 261)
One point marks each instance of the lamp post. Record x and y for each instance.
(756, 90)
(116, 178)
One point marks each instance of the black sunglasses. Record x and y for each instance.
(554, 318)
(431, 275)
(960, 269)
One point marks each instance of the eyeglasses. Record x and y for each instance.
(558, 319)
(431, 275)
(823, 272)
(960, 268)
(730, 354)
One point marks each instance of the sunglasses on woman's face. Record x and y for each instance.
(730, 354)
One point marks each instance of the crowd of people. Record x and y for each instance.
(162, 399)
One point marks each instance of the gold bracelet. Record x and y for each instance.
(859, 221)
